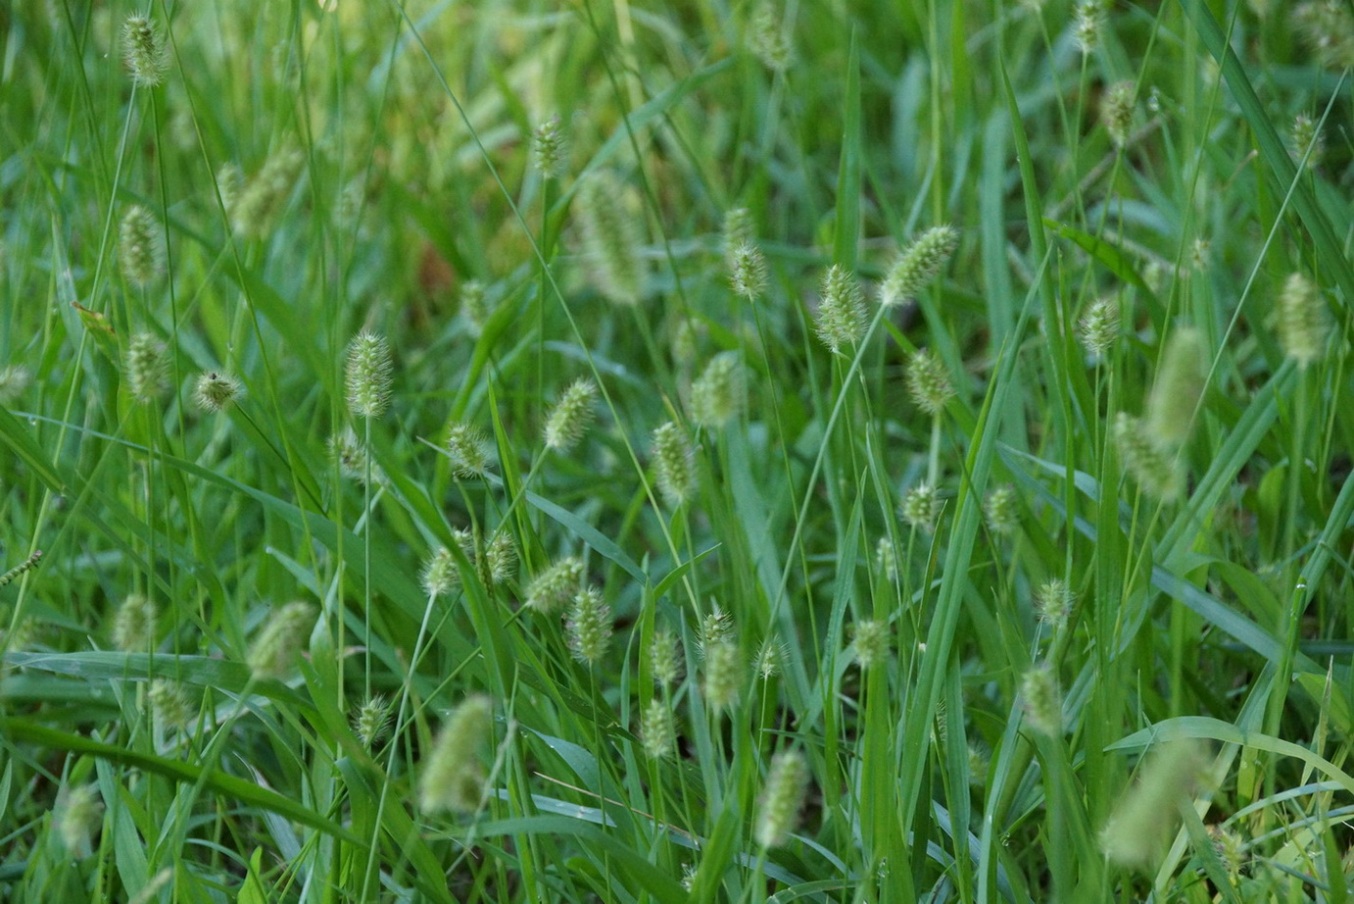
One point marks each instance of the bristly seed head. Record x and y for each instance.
(665, 658)
(1116, 112)
(871, 643)
(440, 575)
(717, 395)
(556, 586)
(1099, 326)
(747, 271)
(146, 368)
(369, 375)
(468, 451)
(658, 730)
(928, 381)
(674, 468)
(134, 625)
(723, 674)
(282, 637)
(609, 239)
(786, 784)
(572, 415)
(216, 391)
(549, 149)
(920, 507)
(141, 247)
(841, 314)
(1002, 510)
(589, 626)
(1042, 701)
(453, 777)
(1175, 394)
(1303, 321)
(372, 721)
(143, 51)
(918, 265)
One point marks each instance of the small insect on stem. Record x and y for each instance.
(30, 562)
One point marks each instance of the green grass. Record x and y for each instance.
(1178, 729)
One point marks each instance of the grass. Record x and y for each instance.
(1053, 623)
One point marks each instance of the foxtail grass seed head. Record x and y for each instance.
(369, 374)
(453, 777)
(141, 247)
(216, 392)
(738, 231)
(229, 185)
(1141, 826)
(549, 149)
(350, 454)
(1152, 466)
(609, 240)
(747, 271)
(475, 307)
(146, 368)
(277, 644)
(684, 344)
(665, 658)
(717, 394)
(77, 816)
(1002, 511)
(771, 656)
(1328, 27)
(371, 722)
(1177, 390)
(767, 38)
(440, 575)
(928, 382)
(886, 557)
(262, 198)
(1304, 135)
(18, 571)
(467, 450)
(658, 730)
(143, 50)
(921, 507)
(500, 558)
(871, 643)
(589, 626)
(715, 628)
(170, 704)
(919, 263)
(569, 420)
(1231, 850)
(1116, 112)
(841, 314)
(1053, 602)
(722, 679)
(674, 465)
(787, 783)
(1042, 701)
(1099, 327)
(134, 625)
(553, 588)
(1303, 321)
(1089, 19)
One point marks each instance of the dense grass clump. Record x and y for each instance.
(519, 451)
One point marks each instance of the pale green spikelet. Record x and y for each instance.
(76, 818)
(143, 50)
(549, 149)
(146, 368)
(767, 39)
(871, 643)
(665, 658)
(1002, 510)
(1177, 390)
(609, 239)
(684, 344)
(658, 730)
(18, 570)
(475, 307)
(261, 200)
(1231, 849)
(886, 557)
(14, 382)
(141, 247)
(229, 186)
(1142, 824)
(556, 586)
(1328, 27)
(770, 659)
(787, 782)
(978, 762)
(1099, 326)
(1089, 19)
(1116, 112)
(1153, 467)
(467, 450)
(569, 420)
(453, 777)
(1053, 602)
(440, 575)
(920, 507)
(276, 646)
(747, 271)
(589, 626)
(738, 231)
(1042, 701)
(841, 314)
(1304, 136)
(349, 453)
(920, 263)
(500, 558)
(715, 628)
(135, 623)
(1303, 321)
(216, 391)
(717, 395)
(170, 704)
(722, 677)
(371, 722)
(674, 466)
(928, 381)
(368, 375)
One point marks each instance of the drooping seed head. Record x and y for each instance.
(556, 586)
(572, 415)
(918, 265)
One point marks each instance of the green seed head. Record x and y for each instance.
(665, 658)
(1042, 701)
(259, 202)
(1142, 824)
(468, 451)
(1002, 510)
(747, 271)
(275, 648)
(658, 730)
(928, 382)
(841, 314)
(589, 626)
(371, 722)
(440, 575)
(723, 675)
(1151, 465)
(216, 391)
(674, 468)
(170, 704)
(1303, 321)
(1053, 602)
(717, 395)
(141, 247)
(134, 625)
(146, 368)
(368, 375)
(1308, 143)
(921, 507)
(918, 265)
(572, 415)
(77, 816)
(871, 643)
(609, 240)
(1116, 112)
(453, 776)
(549, 150)
(767, 38)
(556, 586)
(143, 51)
(475, 307)
(786, 784)
(1177, 390)
(1099, 326)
